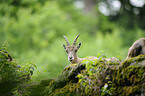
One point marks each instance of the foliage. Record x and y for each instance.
(130, 14)
(14, 79)
(34, 29)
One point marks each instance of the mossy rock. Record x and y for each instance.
(91, 77)
(99, 77)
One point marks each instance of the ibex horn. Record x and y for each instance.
(76, 39)
(66, 40)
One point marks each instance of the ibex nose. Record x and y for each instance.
(70, 57)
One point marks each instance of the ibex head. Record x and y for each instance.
(71, 50)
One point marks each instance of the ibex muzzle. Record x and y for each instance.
(71, 50)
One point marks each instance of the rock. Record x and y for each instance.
(93, 76)
(101, 77)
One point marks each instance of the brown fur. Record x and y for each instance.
(72, 50)
(137, 48)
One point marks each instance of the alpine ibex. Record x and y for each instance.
(71, 50)
(137, 48)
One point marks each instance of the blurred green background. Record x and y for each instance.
(34, 29)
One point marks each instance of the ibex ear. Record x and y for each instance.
(79, 45)
(64, 46)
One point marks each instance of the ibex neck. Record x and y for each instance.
(76, 60)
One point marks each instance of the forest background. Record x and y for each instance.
(33, 30)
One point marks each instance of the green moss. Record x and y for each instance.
(14, 80)
(69, 90)
(126, 78)
(130, 78)
(92, 76)
(138, 61)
